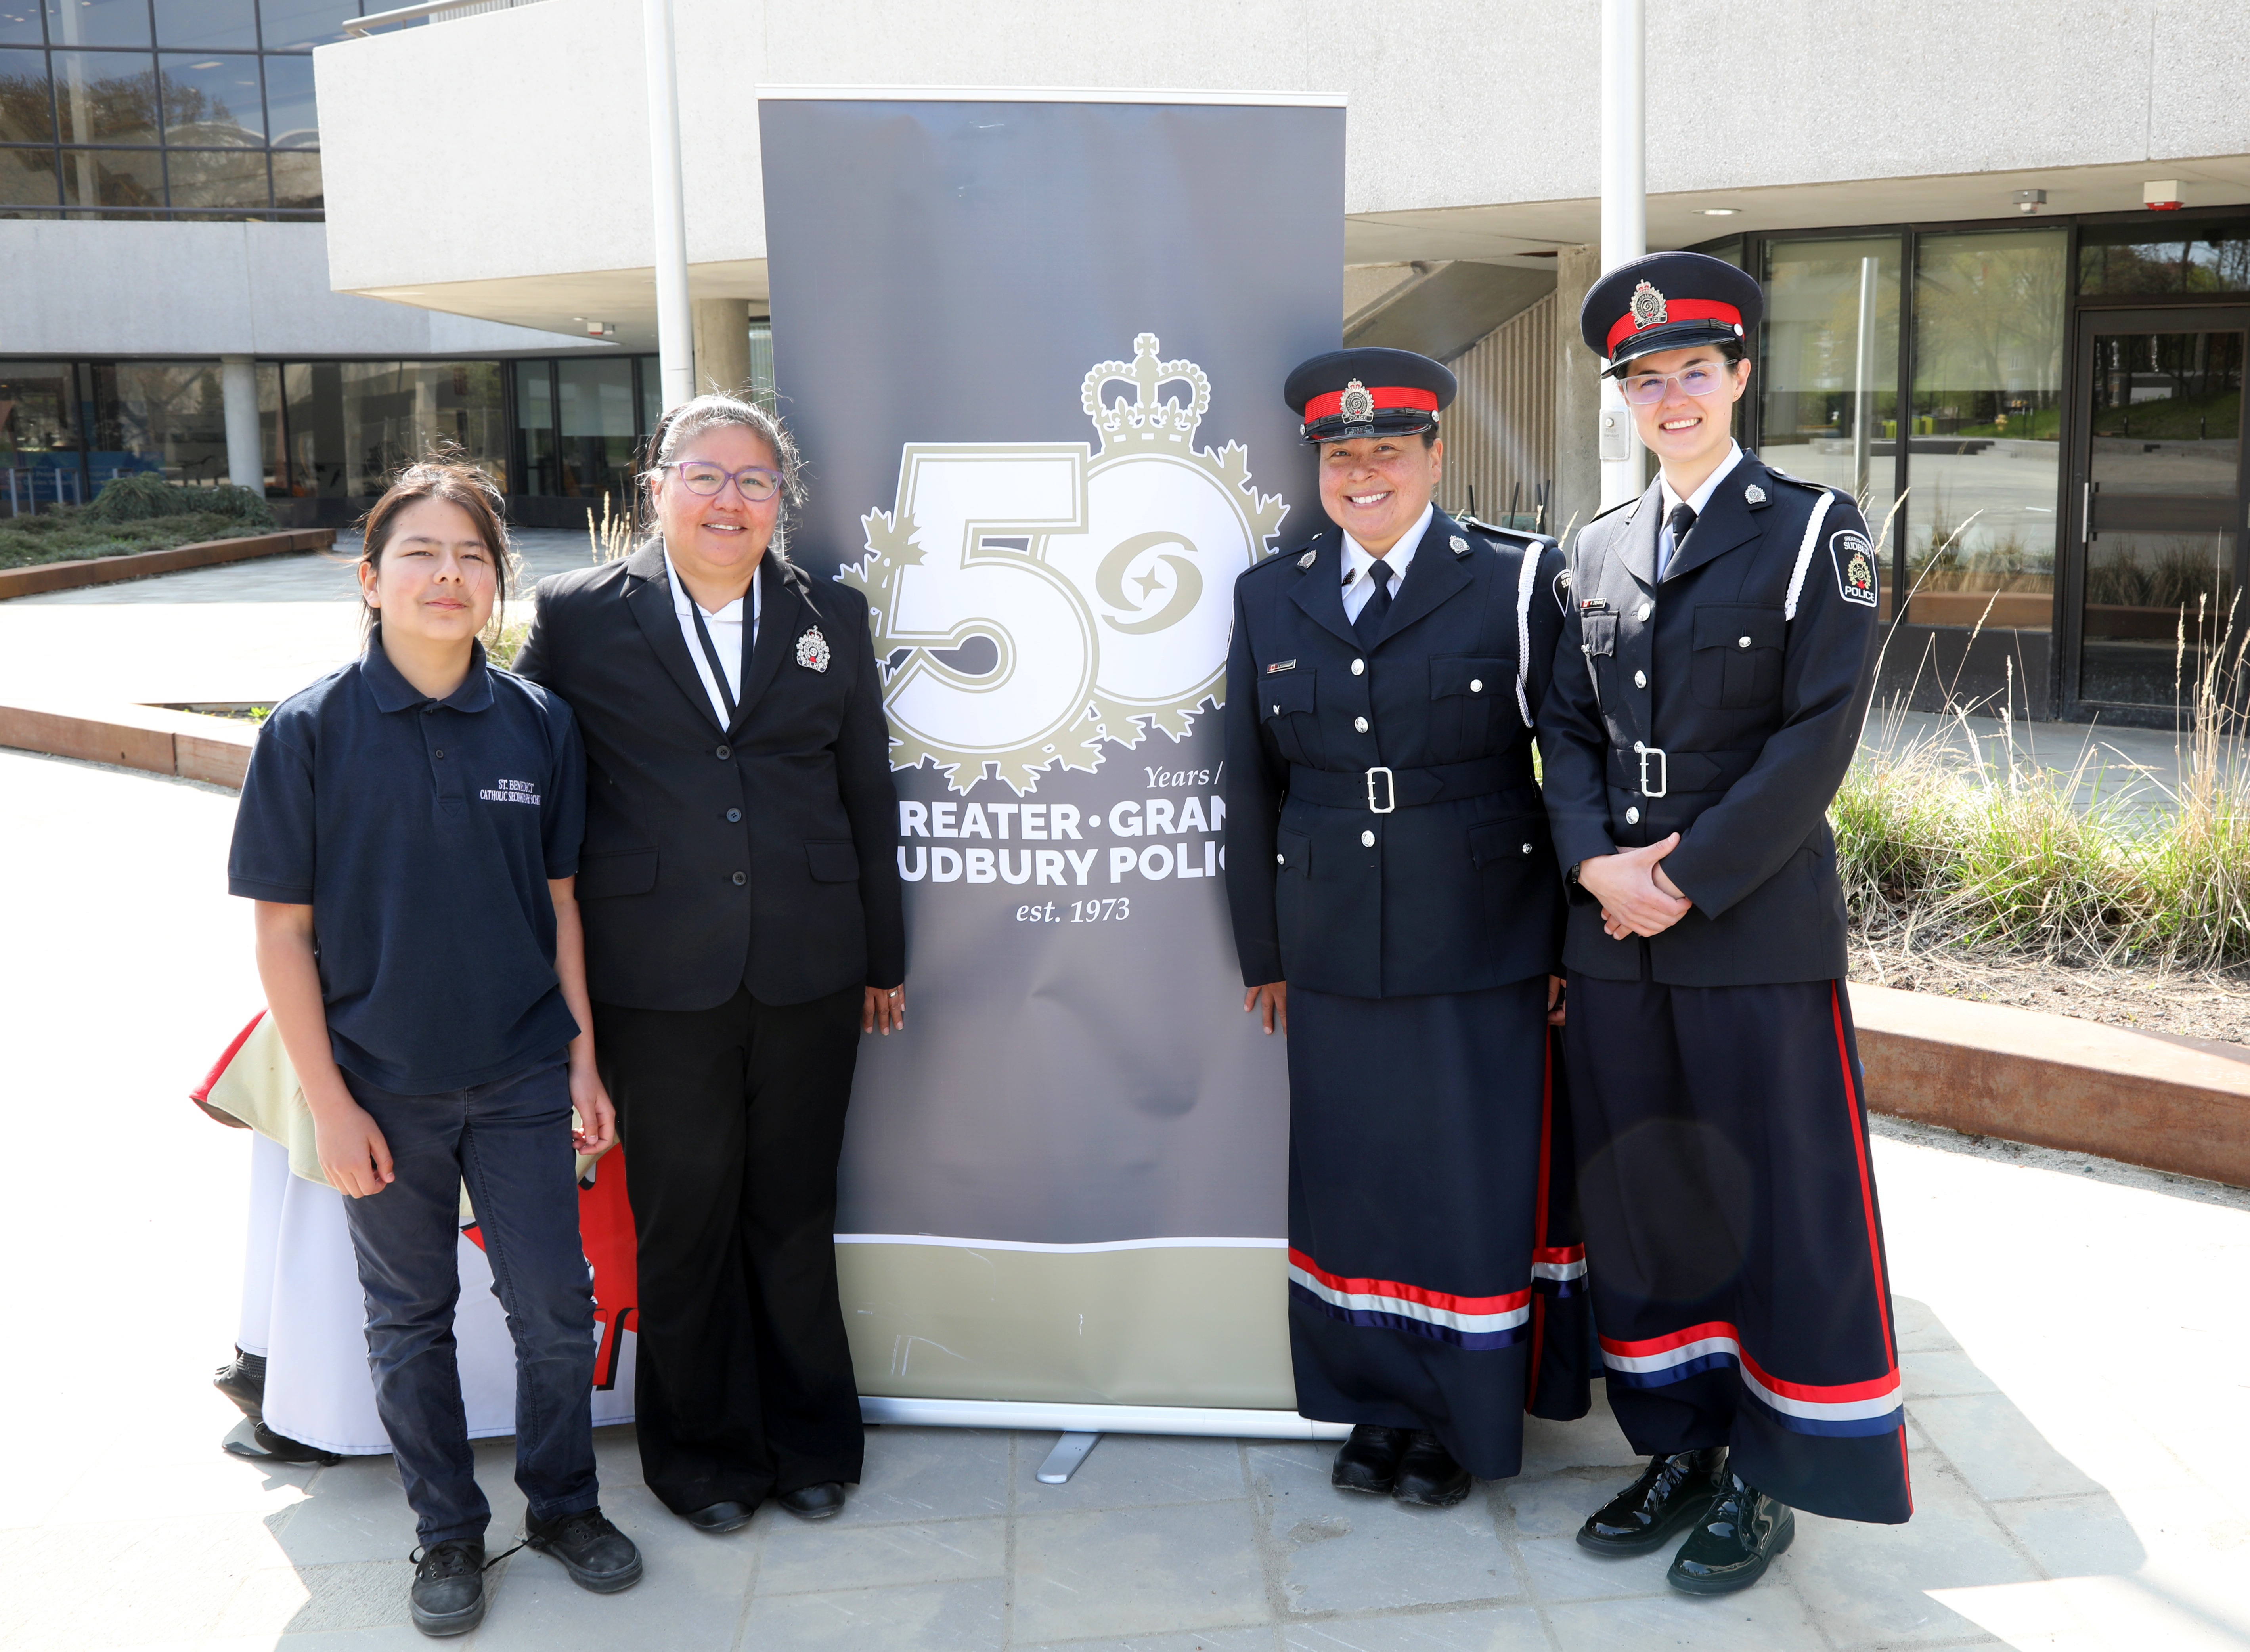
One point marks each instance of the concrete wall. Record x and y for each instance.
(1455, 103)
(211, 289)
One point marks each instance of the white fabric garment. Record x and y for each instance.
(725, 629)
(1703, 497)
(311, 1319)
(1358, 589)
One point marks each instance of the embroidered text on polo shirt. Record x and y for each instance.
(509, 791)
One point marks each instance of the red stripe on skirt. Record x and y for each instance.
(1852, 1105)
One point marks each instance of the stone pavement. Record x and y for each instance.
(2075, 1353)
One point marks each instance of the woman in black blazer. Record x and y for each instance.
(743, 925)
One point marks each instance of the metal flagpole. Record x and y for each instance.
(674, 336)
(1625, 213)
(1863, 383)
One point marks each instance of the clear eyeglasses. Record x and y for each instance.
(755, 482)
(1704, 378)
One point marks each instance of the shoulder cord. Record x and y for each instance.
(1527, 581)
(1805, 552)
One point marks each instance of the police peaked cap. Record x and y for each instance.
(1667, 301)
(1346, 394)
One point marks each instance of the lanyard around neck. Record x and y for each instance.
(711, 653)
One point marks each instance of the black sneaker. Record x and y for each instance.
(596, 1555)
(1736, 1542)
(449, 1587)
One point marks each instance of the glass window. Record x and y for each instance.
(98, 23)
(106, 97)
(2122, 260)
(299, 25)
(1984, 452)
(353, 425)
(38, 444)
(762, 377)
(27, 105)
(598, 428)
(19, 23)
(1726, 251)
(297, 180)
(1829, 409)
(652, 385)
(212, 102)
(289, 113)
(27, 177)
(218, 179)
(534, 418)
(2158, 606)
(206, 25)
(113, 178)
(168, 417)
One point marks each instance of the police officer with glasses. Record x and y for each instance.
(1397, 912)
(1717, 660)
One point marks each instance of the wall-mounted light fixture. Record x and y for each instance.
(2162, 197)
(2030, 200)
(1718, 212)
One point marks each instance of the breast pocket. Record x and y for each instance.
(1597, 635)
(1466, 691)
(1737, 655)
(1286, 706)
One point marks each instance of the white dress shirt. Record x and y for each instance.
(725, 629)
(1358, 589)
(1664, 545)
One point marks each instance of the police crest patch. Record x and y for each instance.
(813, 651)
(1856, 566)
(1648, 307)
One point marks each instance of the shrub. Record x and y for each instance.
(141, 497)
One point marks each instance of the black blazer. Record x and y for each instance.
(1454, 889)
(761, 856)
(1749, 666)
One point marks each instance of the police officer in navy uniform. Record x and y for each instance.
(1718, 658)
(1396, 909)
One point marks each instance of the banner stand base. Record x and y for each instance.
(1069, 1451)
(1211, 1420)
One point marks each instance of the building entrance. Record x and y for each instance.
(2157, 490)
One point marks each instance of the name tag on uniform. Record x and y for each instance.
(1595, 605)
(1282, 665)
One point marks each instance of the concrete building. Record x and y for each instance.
(1977, 321)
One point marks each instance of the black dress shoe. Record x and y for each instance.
(822, 1502)
(265, 1446)
(1735, 1543)
(1428, 1474)
(596, 1554)
(1368, 1460)
(1674, 1491)
(448, 1596)
(243, 1381)
(721, 1518)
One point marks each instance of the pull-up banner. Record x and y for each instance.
(1033, 347)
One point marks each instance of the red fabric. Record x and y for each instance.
(1676, 310)
(605, 1229)
(1389, 398)
(202, 1092)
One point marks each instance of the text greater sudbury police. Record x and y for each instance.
(1188, 833)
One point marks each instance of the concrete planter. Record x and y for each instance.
(105, 570)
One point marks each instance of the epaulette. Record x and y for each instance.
(1515, 535)
(1798, 481)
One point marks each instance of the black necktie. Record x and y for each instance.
(1369, 626)
(1682, 518)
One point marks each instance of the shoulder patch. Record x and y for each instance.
(1856, 566)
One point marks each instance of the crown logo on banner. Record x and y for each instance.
(1036, 604)
(1145, 417)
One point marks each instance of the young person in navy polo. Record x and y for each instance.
(410, 831)
(1717, 664)
(1396, 910)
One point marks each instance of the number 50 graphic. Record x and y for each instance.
(1104, 582)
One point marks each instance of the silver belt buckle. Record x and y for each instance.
(1390, 792)
(1663, 787)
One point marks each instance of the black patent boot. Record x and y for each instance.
(1369, 1461)
(1674, 1491)
(1735, 1543)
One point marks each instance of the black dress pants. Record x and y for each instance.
(733, 1119)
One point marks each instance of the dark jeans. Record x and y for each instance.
(510, 1141)
(734, 1119)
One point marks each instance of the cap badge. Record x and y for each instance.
(813, 651)
(1357, 406)
(1648, 307)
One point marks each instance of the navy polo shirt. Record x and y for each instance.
(422, 834)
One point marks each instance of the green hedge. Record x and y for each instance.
(137, 512)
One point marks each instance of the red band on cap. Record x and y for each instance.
(1677, 310)
(1388, 398)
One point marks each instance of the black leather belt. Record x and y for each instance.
(1379, 790)
(1651, 771)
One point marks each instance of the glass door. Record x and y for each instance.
(2157, 495)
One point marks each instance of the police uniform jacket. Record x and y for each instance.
(1384, 833)
(759, 855)
(1724, 702)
